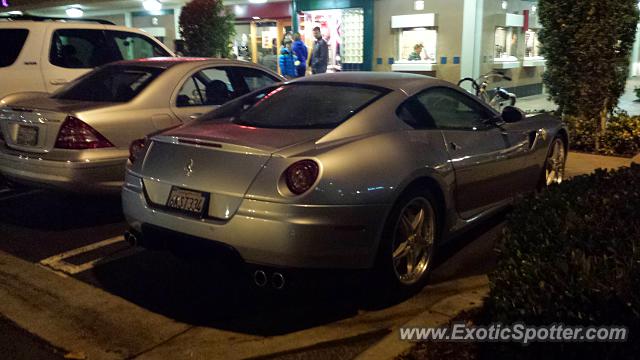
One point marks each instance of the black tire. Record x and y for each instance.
(385, 278)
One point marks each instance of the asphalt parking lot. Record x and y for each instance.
(80, 237)
(209, 301)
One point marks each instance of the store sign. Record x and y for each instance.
(5, 3)
(413, 21)
(514, 20)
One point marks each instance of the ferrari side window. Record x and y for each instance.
(451, 110)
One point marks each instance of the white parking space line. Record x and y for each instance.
(61, 267)
(12, 194)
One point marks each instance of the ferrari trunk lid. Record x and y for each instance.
(211, 165)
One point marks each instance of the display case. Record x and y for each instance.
(532, 55)
(417, 39)
(505, 46)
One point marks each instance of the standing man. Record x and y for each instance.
(320, 54)
(301, 52)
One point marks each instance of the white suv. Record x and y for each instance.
(42, 54)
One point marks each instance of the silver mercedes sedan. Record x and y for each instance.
(338, 171)
(78, 138)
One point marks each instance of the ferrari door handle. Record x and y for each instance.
(195, 116)
(455, 146)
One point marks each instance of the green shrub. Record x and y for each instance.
(571, 255)
(621, 136)
(206, 27)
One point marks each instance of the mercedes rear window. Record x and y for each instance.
(299, 105)
(110, 84)
(12, 42)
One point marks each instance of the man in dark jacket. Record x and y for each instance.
(301, 52)
(320, 54)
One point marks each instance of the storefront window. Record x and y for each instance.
(532, 45)
(343, 29)
(268, 44)
(418, 44)
(506, 44)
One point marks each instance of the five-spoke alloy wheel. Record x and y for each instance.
(556, 160)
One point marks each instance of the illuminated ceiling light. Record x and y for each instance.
(152, 5)
(534, 9)
(257, 1)
(74, 12)
(418, 5)
(240, 10)
(256, 18)
(505, 4)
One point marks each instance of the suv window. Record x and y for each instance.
(80, 49)
(12, 43)
(135, 46)
(255, 79)
(450, 109)
(113, 83)
(207, 87)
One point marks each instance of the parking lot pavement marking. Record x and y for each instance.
(63, 268)
(12, 193)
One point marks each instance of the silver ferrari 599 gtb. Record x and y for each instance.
(347, 171)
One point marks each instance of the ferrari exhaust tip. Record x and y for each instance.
(277, 281)
(260, 278)
(131, 238)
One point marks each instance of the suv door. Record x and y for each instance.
(481, 154)
(74, 52)
(20, 58)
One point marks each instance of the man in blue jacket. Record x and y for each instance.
(287, 61)
(301, 52)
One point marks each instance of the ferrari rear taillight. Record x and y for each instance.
(301, 176)
(77, 135)
(137, 149)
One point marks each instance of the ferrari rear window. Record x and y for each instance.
(300, 105)
(110, 84)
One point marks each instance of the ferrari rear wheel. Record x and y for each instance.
(408, 245)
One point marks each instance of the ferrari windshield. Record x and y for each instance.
(299, 106)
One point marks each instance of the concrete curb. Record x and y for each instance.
(83, 320)
(437, 315)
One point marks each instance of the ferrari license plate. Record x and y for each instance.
(27, 135)
(186, 200)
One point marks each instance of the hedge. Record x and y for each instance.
(571, 255)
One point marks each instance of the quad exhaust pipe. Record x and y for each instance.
(131, 238)
(261, 279)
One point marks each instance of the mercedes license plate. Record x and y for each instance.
(27, 135)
